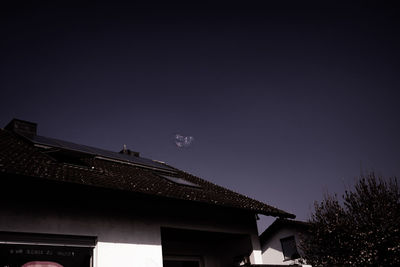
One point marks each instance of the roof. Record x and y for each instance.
(282, 223)
(24, 155)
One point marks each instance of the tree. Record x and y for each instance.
(361, 229)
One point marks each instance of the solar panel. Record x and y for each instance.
(180, 181)
(100, 153)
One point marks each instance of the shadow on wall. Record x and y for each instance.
(209, 248)
(41, 206)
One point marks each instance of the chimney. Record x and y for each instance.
(24, 128)
(129, 152)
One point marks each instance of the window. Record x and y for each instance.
(182, 261)
(177, 263)
(34, 250)
(289, 248)
(68, 157)
(179, 181)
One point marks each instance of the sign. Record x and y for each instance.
(16, 255)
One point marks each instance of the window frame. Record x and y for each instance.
(294, 255)
(50, 240)
(198, 259)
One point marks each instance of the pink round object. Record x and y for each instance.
(41, 264)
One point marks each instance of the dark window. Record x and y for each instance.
(17, 255)
(289, 248)
(178, 263)
(179, 181)
(69, 157)
(182, 261)
(29, 250)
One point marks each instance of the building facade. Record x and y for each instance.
(70, 205)
(280, 243)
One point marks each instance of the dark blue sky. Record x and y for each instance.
(285, 101)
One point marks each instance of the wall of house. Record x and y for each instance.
(121, 241)
(217, 248)
(272, 248)
(128, 229)
(216, 220)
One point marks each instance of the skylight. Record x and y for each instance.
(179, 181)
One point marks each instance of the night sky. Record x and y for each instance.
(285, 102)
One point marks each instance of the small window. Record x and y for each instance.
(178, 263)
(289, 248)
(182, 261)
(179, 181)
(68, 157)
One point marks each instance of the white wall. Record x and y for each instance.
(124, 238)
(127, 255)
(272, 249)
(121, 242)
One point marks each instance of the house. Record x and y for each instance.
(280, 243)
(70, 205)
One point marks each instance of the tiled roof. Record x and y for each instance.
(19, 156)
(282, 223)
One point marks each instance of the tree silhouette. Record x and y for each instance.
(363, 228)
